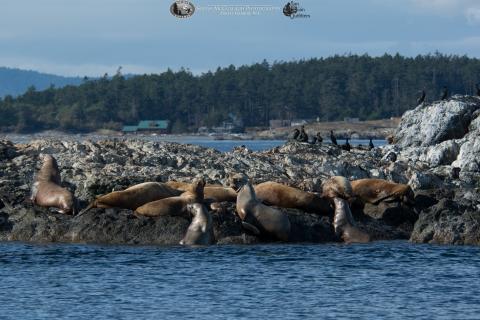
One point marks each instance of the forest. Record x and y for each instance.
(320, 88)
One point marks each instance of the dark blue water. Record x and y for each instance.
(375, 281)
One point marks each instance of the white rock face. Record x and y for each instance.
(441, 121)
(441, 154)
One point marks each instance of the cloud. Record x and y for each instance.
(470, 9)
(73, 70)
(473, 15)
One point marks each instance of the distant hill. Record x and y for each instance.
(16, 82)
(328, 89)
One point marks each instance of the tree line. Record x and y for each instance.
(321, 88)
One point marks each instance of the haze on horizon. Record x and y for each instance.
(91, 37)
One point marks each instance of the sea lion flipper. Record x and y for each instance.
(92, 204)
(33, 195)
(251, 228)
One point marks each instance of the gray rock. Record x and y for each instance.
(441, 121)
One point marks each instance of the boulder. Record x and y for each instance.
(440, 121)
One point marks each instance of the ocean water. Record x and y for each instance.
(220, 145)
(380, 280)
(258, 145)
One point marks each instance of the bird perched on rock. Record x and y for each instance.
(332, 137)
(314, 140)
(370, 144)
(422, 98)
(392, 156)
(444, 93)
(347, 146)
(319, 138)
(295, 135)
(302, 137)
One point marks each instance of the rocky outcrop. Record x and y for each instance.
(428, 125)
(438, 162)
(93, 168)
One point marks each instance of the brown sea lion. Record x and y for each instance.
(337, 186)
(375, 191)
(46, 190)
(174, 206)
(344, 224)
(134, 196)
(184, 186)
(280, 195)
(213, 192)
(339, 189)
(200, 231)
(256, 215)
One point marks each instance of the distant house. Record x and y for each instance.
(279, 123)
(351, 120)
(298, 122)
(149, 126)
(227, 127)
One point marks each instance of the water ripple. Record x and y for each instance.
(374, 281)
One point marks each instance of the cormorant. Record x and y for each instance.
(347, 146)
(319, 138)
(422, 98)
(370, 144)
(303, 137)
(296, 133)
(478, 89)
(332, 137)
(444, 93)
(392, 156)
(314, 140)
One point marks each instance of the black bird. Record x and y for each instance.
(370, 144)
(303, 137)
(478, 89)
(332, 137)
(444, 93)
(319, 138)
(347, 146)
(392, 156)
(296, 133)
(314, 140)
(422, 98)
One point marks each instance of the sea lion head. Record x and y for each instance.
(197, 187)
(237, 180)
(194, 208)
(337, 186)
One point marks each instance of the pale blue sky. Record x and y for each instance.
(91, 37)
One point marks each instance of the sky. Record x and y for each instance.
(93, 37)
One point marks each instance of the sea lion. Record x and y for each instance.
(134, 196)
(256, 215)
(337, 186)
(200, 231)
(280, 195)
(47, 191)
(375, 191)
(212, 192)
(344, 224)
(184, 186)
(338, 189)
(174, 206)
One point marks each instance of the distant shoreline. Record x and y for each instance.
(375, 129)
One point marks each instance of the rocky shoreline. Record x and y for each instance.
(437, 148)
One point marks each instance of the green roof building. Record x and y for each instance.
(158, 126)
